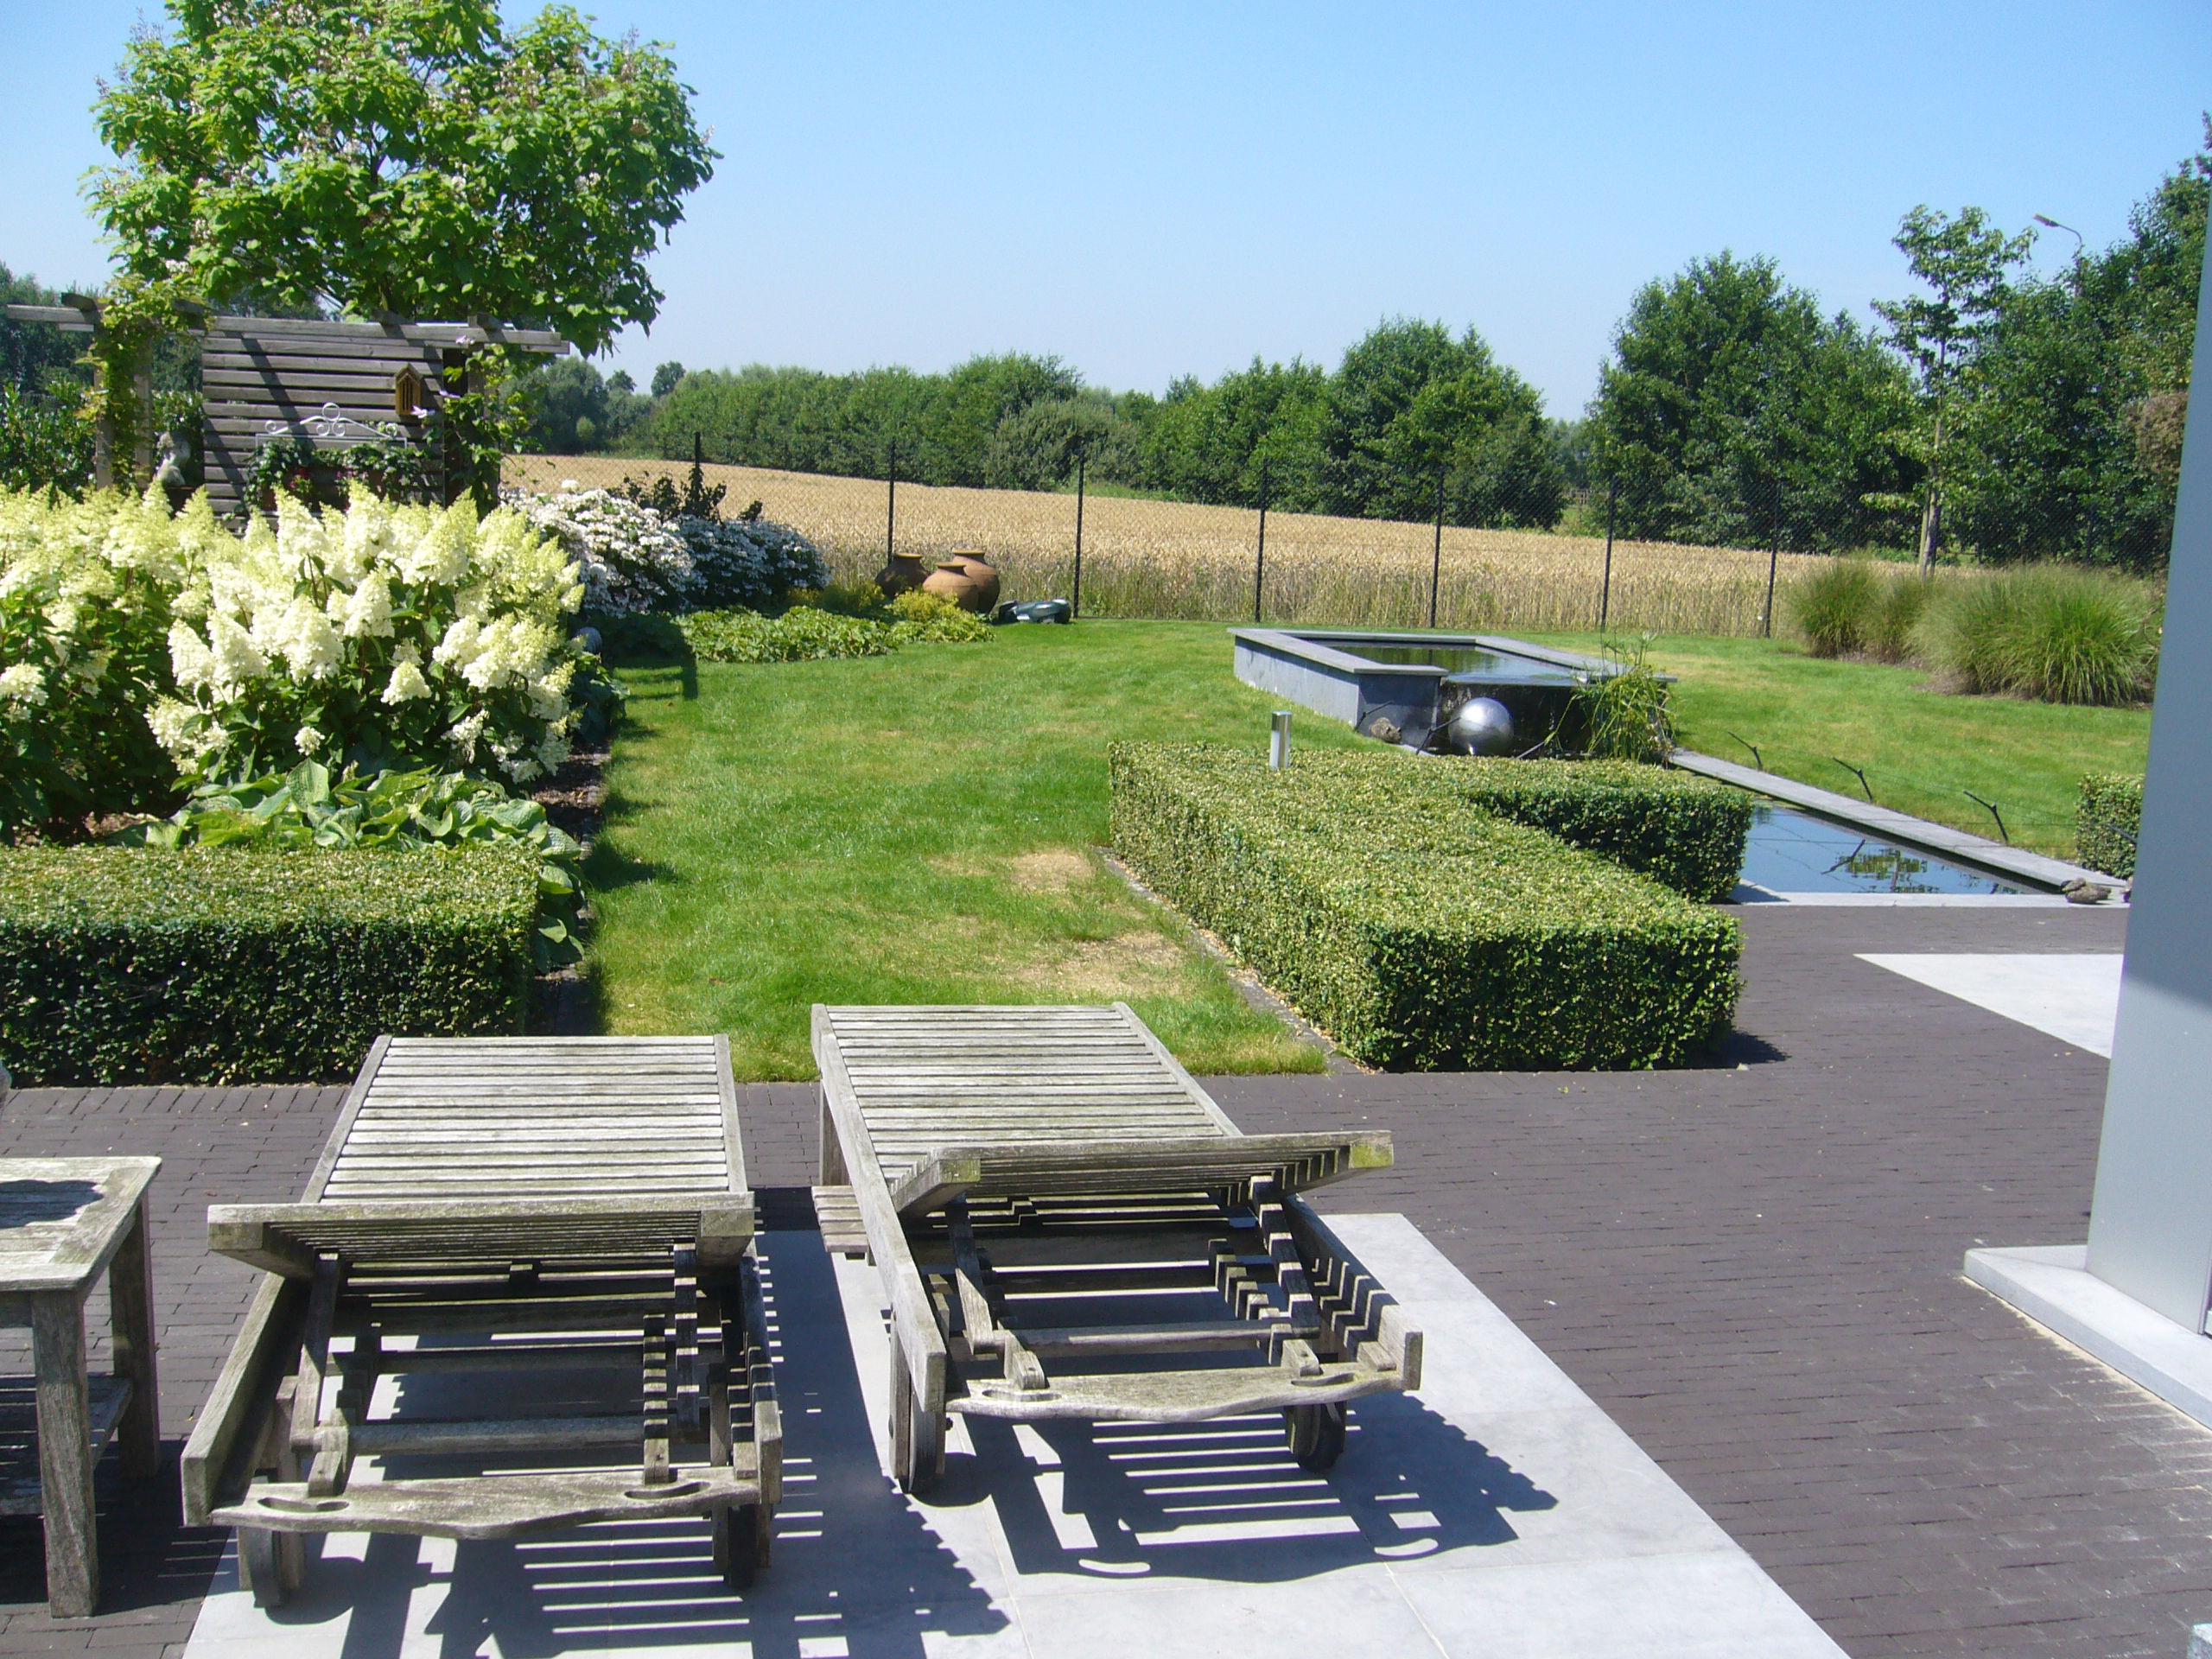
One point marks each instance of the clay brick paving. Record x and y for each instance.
(1755, 1271)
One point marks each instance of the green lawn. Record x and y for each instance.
(909, 829)
(1921, 749)
(917, 828)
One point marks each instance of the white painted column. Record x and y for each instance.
(2150, 1224)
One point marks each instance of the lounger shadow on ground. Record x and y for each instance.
(852, 1558)
(887, 1578)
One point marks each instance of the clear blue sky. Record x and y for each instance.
(1150, 190)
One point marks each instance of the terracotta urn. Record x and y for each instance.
(966, 581)
(903, 573)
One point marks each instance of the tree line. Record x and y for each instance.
(1990, 411)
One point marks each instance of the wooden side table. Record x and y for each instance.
(61, 1221)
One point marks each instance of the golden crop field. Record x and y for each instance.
(1174, 559)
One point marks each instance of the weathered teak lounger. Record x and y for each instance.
(571, 1208)
(1046, 1186)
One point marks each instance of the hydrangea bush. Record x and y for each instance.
(749, 564)
(636, 558)
(140, 652)
(631, 558)
(385, 636)
(84, 590)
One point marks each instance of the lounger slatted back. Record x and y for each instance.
(573, 1206)
(989, 1158)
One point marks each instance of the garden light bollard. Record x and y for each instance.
(1279, 741)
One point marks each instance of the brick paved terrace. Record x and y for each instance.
(1754, 1266)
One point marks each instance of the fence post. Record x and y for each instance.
(1260, 562)
(1436, 558)
(890, 506)
(1075, 605)
(1605, 588)
(1773, 558)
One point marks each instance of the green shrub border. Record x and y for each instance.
(2107, 822)
(1675, 827)
(1421, 932)
(217, 965)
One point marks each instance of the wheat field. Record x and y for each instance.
(1176, 559)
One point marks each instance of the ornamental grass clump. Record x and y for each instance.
(1419, 932)
(1833, 607)
(2049, 632)
(1894, 621)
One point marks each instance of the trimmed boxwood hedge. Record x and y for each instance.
(2108, 820)
(1673, 826)
(218, 965)
(1421, 932)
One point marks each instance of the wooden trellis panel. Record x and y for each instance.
(330, 384)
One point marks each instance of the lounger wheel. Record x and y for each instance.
(1317, 1435)
(257, 1566)
(741, 1543)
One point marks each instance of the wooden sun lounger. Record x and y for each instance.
(567, 1207)
(1068, 1226)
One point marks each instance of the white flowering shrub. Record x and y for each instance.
(631, 559)
(140, 653)
(383, 636)
(83, 605)
(749, 564)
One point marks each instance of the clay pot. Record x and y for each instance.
(902, 574)
(966, 581)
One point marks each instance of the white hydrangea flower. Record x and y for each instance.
(303, 636)
(238, 659)
(366, 539)
(303, 543)
(442, 554)
(180, 729)
(553, 751)
(307, 739)
(23, 684)
(548, 692)
(406, 685)
(465, 733)
(367, 613)
(190, 660)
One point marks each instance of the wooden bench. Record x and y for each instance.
(1044, 1185)
(522, 1207)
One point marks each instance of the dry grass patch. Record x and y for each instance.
(1137, 964)
(1054, 870)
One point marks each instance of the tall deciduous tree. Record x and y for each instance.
(1963, 262)
(1732, 410)
(408, 156)
(1410, 405)
(2065, 440)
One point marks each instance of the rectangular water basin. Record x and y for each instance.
(1793, 851)
(1403, 687)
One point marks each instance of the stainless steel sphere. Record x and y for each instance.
(1481, 726)
(588, 639)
